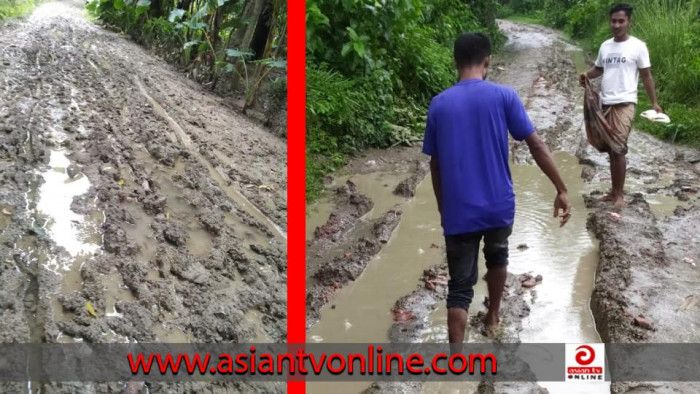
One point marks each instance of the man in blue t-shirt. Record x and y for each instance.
(467, 138)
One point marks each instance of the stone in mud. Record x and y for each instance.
(72, 171)
(682, 196)
(642, 322)
(175, 233)
(588, 173)
(386, 225)
(528, 283)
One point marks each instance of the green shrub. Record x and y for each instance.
(15, 8)
(373, 68)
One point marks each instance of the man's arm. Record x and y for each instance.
(648, 82)
(435, 175)
(543, 157)
(593, 73)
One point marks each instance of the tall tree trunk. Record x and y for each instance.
(271, 27)
(251, 13)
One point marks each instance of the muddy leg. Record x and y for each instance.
(618, 168)
(496, 280)
(456, 324)
(462, 259)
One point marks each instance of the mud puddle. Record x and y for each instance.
(68, 229)
(565, 257)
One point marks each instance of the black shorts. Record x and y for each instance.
(463, 258)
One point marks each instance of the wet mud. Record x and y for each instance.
(136, 206)
(596, 266)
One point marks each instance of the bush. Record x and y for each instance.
(372, 73)
(554, 13)
(584, 19)
(14, 8)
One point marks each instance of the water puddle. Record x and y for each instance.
(317, 215)
(663, 206)
(67, 228)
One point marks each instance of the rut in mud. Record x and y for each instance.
(136, 206)
(400, 294)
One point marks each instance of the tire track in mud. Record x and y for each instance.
(181, 258)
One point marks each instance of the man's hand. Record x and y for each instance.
(561, 202)
(593, 73)
(656, 108)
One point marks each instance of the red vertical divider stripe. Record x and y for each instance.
(296, 179)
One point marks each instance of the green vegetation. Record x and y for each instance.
(15, 8)
(671, 29)
(236, 42)
(372, 68)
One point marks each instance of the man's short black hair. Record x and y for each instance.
(624, 7)
(471, 49)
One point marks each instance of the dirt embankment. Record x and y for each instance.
(185, 209)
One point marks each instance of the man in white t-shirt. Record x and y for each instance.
(621, 60)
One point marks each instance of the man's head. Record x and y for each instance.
(620, 15)
(472, 50)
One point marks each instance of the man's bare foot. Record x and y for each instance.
(491, 320)
(620, 202)
(608, 197)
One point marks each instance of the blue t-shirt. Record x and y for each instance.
(467, 132)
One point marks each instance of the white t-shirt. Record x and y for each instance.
(621, 62)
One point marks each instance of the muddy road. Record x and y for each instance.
(365, 286)
(135, 205)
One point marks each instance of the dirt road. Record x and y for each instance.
(136, 206)
(366, 285)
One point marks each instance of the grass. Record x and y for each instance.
(683, 129)
(671, 32)
(15, 8)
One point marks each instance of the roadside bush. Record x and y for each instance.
(372, 71)
(14, 8)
